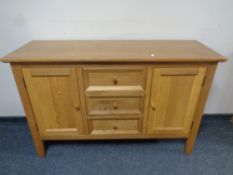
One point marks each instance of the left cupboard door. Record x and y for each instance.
(54, 96)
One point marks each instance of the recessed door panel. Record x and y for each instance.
(54, 95)
(174, 96)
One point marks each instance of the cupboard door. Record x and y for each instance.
(54, 95)
(174, 96)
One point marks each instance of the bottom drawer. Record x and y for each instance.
(116, 126)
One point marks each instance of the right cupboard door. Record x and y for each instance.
(174, 95)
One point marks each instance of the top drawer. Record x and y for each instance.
(112, 76)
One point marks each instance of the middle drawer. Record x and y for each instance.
(116, 105)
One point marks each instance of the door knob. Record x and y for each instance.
(153, 107)
(115, 81)
(77, 107)
(115, 106)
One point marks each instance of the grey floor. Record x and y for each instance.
(213, 153)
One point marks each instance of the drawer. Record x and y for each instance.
(115, 91)
(120, 105)
(101, 76)
(124, 126)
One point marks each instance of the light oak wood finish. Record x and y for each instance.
(174, 97)
(39, 144)
(55, 101)
(115, 94)
(77, 90)
(106, 91)
(115, 126)
(114, 76)
(114, 106)
(114, 51)
(211, 68)
(113, 136)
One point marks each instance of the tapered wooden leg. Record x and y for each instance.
(200, 108)
(192, 138)
(40, 149)
(39, 145)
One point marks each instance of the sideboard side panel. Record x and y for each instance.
(200, 107)
(17, 72)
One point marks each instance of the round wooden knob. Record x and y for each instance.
(115, 81)
(153, 107)
(115, 106)
(115, 127)
(77, 107)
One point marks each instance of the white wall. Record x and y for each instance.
(209, 21)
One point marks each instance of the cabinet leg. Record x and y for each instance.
(189, 146)
(40, 148)
(193, 134)
(38, 143)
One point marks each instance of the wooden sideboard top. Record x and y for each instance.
(113, 51)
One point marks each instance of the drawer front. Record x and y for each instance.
(114, 77)
(125, 126)
(106, 106)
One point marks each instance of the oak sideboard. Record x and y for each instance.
(82, 90)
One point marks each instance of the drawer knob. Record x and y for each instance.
(115, 106)
(115, 81)
(77, 107)
(115, 127)
(153, 107)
